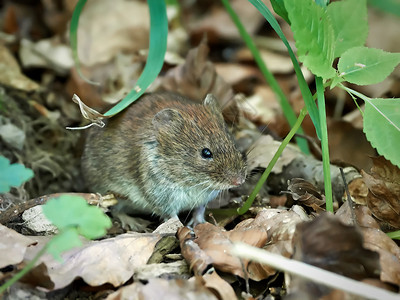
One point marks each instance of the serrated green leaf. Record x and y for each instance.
(364, 66)
(279, 8)
(64, 241)
(305, 91)
(382, 127)
(313, 33)
(12, 175)
(350, 24)
(67, 211)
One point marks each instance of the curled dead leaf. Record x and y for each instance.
(306, 193)
(329, 244)
(384, 191)
(211, 246)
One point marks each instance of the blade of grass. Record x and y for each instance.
(394, 234)
(73, 39)
(287, 109)
(25, 270)
(324, 143)
(271, 164)
(305, 91)
(155, 58)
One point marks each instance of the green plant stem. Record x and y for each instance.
(394, 234)
(286, 108)
(324, 143)
(273, 161)
(73, 38)
(25, 270)
(305, 90)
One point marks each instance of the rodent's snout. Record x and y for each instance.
(239, 180)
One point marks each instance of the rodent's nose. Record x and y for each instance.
(239, 180)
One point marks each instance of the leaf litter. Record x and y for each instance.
(161, 264)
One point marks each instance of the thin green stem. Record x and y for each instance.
(286, 108)
(394, 234)
(73, 38)
(273, 161)
(324, 143)
(25, 270)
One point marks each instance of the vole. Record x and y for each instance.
(164, 154)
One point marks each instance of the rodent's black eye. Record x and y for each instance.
(206, 153)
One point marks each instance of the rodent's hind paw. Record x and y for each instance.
(197, 217)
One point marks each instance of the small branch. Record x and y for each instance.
(313, 273)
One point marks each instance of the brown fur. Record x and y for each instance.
(151, 154)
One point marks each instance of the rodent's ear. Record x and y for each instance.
(212, 102)
(167, 117)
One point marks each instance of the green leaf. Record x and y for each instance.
(350, 24)
(73, 211)
(12, 175)
(382, 127)
(313, 33)
(279, 8)
(394, 235)
(155, 58)
(64, 241)
(364, 66)
(305, 90)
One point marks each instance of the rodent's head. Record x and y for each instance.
(195, 147)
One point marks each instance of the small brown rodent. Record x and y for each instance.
(165, 154)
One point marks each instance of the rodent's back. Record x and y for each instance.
(165, 153)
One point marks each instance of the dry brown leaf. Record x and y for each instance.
(10, 72)
(280, 225)
(261, 107)
(306, 193)
(12, 246)
(158, 288)
(375, 240)
(384, 191)
(238, 75)
(98, 262)
(389, 254)
(218, 25)
(264, 149)
(197, 77)
(110, 27)
(275, 62)
(211, 245)
(349, 145)
(218, 286)
(331, 245)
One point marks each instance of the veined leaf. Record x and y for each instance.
(279, 8)
(363, 66)
(313, 33)
(67, 211)
(12, 175)
(350, 24)
(305, 91)
(382, 127)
